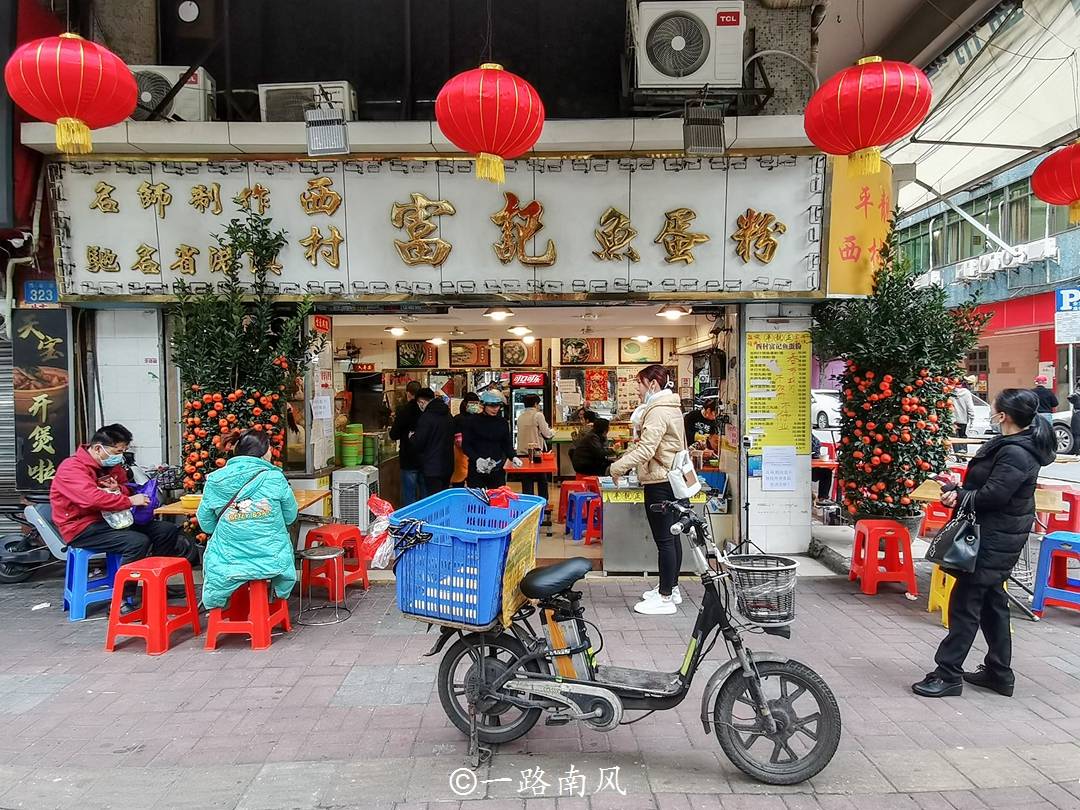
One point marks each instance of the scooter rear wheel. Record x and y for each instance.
(11, 573)
(807, 718)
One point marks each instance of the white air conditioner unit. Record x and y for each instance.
(352, 488)
(967, 271)
(194, 102)
(287, 102)
(689, 44)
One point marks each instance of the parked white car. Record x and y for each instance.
(980, 425)
(824, 408)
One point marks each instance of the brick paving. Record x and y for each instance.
(347, 717)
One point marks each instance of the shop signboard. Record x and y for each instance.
(742, 226)
(321, 324)
(860, 209)
(41, 355)
(527, 379)
(778, 390)
(1067, 316)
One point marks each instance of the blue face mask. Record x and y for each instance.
(112, 461)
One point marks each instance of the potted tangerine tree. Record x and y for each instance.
(902, 347)
(238, 352)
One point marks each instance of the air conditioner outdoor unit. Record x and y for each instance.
(352, 488)
(689, 44)
(287, 102)
(194, 102)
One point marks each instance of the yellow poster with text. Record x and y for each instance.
(859, 211)
(778, 390)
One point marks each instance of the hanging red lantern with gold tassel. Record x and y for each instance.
(73, 83)
(865, 107)
(1057, 180)
(491, 113)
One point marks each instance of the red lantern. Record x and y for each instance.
(77, 85)
(1057, 180)
(866, 106)
(491, 113)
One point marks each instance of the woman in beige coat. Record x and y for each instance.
(660, 437)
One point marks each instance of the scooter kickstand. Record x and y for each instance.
(478, 754)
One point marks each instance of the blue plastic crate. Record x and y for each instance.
(457, 575)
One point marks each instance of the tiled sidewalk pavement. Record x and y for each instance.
(347, 716)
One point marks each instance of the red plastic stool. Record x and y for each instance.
(935, 516)
(155, 619)
(895, 563)
(325, 574)
(594, 521)
(565, 488)
(251, 612)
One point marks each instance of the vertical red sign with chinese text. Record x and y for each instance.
(41, 353)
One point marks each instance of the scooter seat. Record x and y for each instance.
(541, 583)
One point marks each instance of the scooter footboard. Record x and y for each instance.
(712, 688)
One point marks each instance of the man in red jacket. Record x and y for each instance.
(94, 481)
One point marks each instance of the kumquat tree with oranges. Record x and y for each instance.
(239, 353)
(903, 347)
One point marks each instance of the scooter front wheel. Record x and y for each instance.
(807, 719)
(11, 573)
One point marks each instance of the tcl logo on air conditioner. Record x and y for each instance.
(523, 379)
(727, 18)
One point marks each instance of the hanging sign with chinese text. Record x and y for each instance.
(741, 225)
(859, 212)
(778, 390)
(41, 353)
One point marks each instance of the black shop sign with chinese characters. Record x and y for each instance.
(41, 354)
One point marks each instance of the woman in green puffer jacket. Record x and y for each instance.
(247, 507)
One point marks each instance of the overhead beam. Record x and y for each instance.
(931, 28)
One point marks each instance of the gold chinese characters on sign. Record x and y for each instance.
(756, 235)
(220, 259)
(316, 246)
(519, 225)
(155, 195)
(185, 260)
(678, 241)
(206, 198)
(257, 194)
(101, 260)
(103, 200)
(145, 263)
(48, 346)
(422, 246)
(615, 235)
(320, 197)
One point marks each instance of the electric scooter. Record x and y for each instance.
(775, 718)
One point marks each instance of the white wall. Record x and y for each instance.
(129, 364)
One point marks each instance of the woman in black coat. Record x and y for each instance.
(1002, 478)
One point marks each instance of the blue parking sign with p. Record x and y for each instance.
(1068, 300)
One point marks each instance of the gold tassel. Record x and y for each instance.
(1074, 212)
(864, 162)
(490, 167)
(72, 136)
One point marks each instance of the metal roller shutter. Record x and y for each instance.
(7, 433)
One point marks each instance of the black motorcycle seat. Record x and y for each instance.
(541, 583)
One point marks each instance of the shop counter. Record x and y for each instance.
(629, 547)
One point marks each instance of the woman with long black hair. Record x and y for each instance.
(1001, 481)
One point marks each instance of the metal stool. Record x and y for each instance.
(332, 555)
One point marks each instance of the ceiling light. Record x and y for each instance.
(642, 338)
(520, 331)
(188, 11)
(436, 341)
(396, 331)
(528, 340)
(674, 311)
(499, 313)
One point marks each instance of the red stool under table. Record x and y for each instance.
(325, 574)
(594, 521)
(155, 619)
(565, 488)
(895, 563)
(250, 612)
(935, 516)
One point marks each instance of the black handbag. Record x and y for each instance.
(956, 546)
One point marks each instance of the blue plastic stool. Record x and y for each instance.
(577, 512)
(1052, 583)
(81, 591)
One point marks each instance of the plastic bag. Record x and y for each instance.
(378, 546)
(144, 514)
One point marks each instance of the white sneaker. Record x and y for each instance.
(676, 594)
(657, 606)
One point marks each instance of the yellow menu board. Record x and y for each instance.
(778, 390)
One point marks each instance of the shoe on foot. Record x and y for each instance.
(933, 686)
(676, 594)
(657, 606)
(983, 679)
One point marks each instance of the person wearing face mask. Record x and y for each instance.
(488, 444)
(661, 436)
(247, 507)
(94, 481)
(434, 441)
(470, 406)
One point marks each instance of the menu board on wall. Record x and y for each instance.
(778, 390)
(40, 354)
(626, 391)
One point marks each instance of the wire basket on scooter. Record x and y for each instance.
(764, 587)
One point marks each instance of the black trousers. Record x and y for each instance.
(156, 539)
(961, 429)
(976, 605)
(535, 485)
(668, 547)
(491, 480)
(435, 484)
(824, 482)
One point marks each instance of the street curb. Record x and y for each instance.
(829, 557)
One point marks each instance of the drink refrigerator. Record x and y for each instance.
(523, 383)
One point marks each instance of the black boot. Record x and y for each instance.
(985, 680)
(932, 686)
